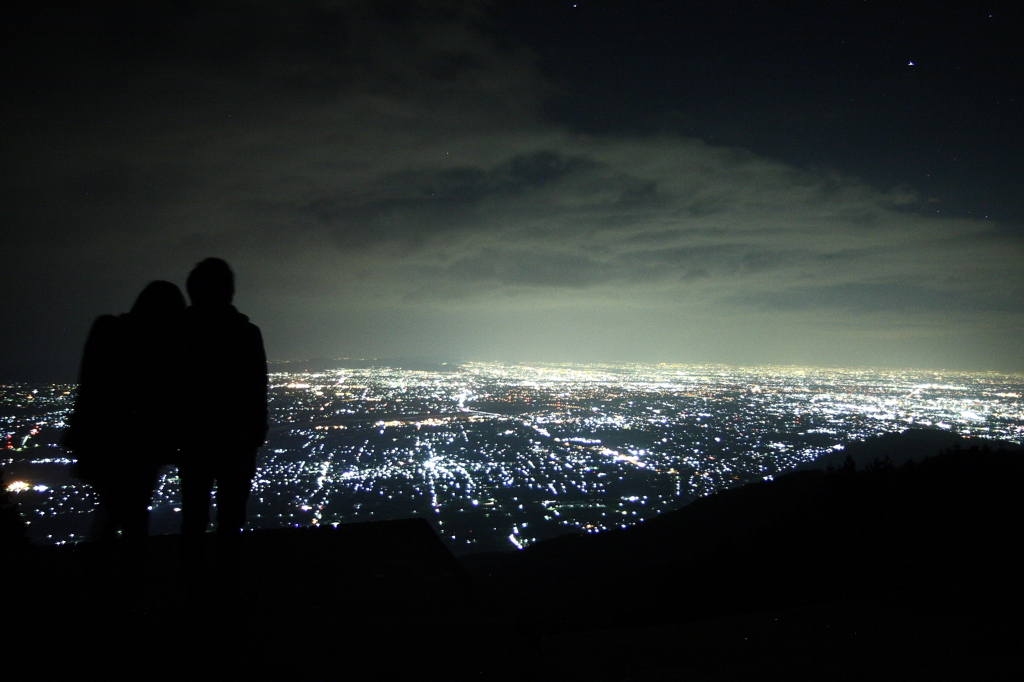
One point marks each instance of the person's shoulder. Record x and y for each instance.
(241, 320)
(106, 321)
(248, 324)
(250, 330)
(223, 320)
(105, 326)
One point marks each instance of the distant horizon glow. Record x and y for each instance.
(276, 366)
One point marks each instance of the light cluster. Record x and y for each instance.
(500, 456)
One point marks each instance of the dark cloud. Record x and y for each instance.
(388, 178)
(873, 298)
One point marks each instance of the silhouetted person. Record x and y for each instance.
(125, 421)
(225, 379)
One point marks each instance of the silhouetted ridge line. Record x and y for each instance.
(908, 572)
(376, 600)
(913, 444)
(808, 536)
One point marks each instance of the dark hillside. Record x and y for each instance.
(381, 600)
(804, 537)
(909, 572)
(938, 542)
(913, 444)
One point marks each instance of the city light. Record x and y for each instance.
(544, 449)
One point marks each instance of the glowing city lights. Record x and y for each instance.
(541, 449)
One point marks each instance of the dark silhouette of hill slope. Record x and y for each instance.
(381, 600)
(951, 515)
(909, 572)
(935, 544)
(913, 444)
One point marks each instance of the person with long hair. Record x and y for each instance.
(126, 416)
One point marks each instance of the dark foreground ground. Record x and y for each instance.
(903, 574)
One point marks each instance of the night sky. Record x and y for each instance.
(746, 183)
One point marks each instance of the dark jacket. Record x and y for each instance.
(129, 395)
(225, 381)
(99, 400)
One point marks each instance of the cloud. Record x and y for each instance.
(348, 158)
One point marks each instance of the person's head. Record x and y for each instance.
(159, 301)
(211, 282)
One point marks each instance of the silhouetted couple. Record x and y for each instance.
(165, 384)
